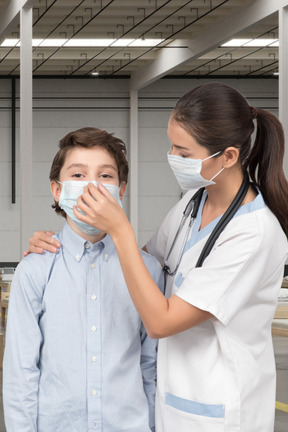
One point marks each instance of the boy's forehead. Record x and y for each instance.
(93, 156)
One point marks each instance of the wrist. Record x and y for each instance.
(124, 235)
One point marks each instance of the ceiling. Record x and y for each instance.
(180, 24)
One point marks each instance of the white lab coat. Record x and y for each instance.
(220, 375)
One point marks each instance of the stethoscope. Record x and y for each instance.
(192, 208)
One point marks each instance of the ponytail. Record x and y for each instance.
(265, 164)
(218, 116)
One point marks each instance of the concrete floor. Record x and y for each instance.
(281, 356)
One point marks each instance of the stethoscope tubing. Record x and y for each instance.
(192, 208)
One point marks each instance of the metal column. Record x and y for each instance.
(283, 77)
(26, 206)
(133, 161)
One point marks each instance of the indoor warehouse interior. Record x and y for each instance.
(121, 66)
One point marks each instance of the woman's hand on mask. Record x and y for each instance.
(42, 240)
(100, 209)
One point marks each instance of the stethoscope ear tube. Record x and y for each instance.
(225, 219)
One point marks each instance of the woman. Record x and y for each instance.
(216, 369)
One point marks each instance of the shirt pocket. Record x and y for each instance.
(186, 415)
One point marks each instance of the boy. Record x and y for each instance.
(77, 356)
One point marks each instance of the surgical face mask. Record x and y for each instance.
(70, 192)
(188, 172)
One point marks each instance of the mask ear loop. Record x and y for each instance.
(217, 174)
(209, 157)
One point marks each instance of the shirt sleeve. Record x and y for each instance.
(22, 348)
(148, 367)
(157, 244)
(149, 346)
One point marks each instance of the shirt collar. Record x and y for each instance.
(77, 245)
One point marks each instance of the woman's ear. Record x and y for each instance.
(122, 190)
(230, 157)
(55, 190)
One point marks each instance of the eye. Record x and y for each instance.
(77, 175)
(106, 176)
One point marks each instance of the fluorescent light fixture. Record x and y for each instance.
(56, 43)
(275, 73)
(235, 42)
(256, 43)
(89, 42)
(95, 73)
(136, 42)
(35, 42)
(53, 42)
(122, 42)
(10, 42)
(146, 42)
(261, 42)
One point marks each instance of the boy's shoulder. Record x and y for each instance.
(37, 264)
(150, 261)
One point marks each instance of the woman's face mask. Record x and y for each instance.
(70, 192)
(188, 172)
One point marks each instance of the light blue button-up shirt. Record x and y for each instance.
(77, 357)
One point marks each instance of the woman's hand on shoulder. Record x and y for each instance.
(42, 240)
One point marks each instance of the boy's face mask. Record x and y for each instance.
(70, 192)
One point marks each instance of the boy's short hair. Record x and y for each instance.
(89, 137)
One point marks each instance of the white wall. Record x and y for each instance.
(63, 105)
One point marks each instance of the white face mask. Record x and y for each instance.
(70, 192)
(188, 172)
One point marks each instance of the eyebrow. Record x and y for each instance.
(79, 165)
(179, 147)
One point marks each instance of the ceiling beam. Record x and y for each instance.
(181, 51)
(10, 16)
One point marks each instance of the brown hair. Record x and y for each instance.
(218, 116)
(87, 138)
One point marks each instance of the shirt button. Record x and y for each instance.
(93, 297)
(94, 392)
(77, 257)
(93, 266)
(94, 358)
(106, 256)
(87, 245)
(93, 328)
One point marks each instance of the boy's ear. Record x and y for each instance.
(122, 190)
(55, 190)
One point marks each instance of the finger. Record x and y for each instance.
(50, 240)
(79, 214)
(104, 192)
(84, 202)
(48, 243)
(33, 249)
(41, 246)
(45, 237)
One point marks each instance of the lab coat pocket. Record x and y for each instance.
(187, 415)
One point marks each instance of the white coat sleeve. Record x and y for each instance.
(247, 258)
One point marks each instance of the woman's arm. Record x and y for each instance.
(160, 316)
(42, 240)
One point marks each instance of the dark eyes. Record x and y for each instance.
(106, 176)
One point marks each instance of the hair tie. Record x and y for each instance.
(254, 112)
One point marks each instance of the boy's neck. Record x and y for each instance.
(91, 238)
